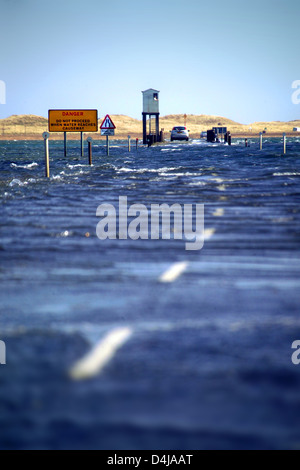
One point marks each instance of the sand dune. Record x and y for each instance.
(31, 126)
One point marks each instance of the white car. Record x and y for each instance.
(179, 133)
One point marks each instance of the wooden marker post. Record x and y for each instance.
(129, 146)
(47, 164)
(260, 141)
(65, 144)
(90, 140)
(82, 144)
(137, 143)
(284, 143)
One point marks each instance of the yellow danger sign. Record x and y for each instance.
(72, 120)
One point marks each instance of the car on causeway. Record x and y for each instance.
(179, 133)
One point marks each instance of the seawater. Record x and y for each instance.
(208, 364)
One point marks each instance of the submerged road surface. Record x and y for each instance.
(140, 344)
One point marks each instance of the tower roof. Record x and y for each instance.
(151, 89)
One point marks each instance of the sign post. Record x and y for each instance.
(65, 144)
(107, 145)
(82, 144)
(107, 128)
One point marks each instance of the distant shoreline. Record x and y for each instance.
(31, 127)
(98, 137)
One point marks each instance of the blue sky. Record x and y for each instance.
(231, 58)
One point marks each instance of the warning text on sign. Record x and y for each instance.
(82, 120)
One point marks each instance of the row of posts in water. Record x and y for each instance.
(90, 151)
(261, 142)
(247, 143)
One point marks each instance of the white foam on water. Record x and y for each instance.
(56, 177)
(147, 170)
(171, 174)
(26, 167)
(287, 174)
(125, 170)
(75, 166)
(16, 182)
(197, 183)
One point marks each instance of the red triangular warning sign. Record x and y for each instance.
(107, 123)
